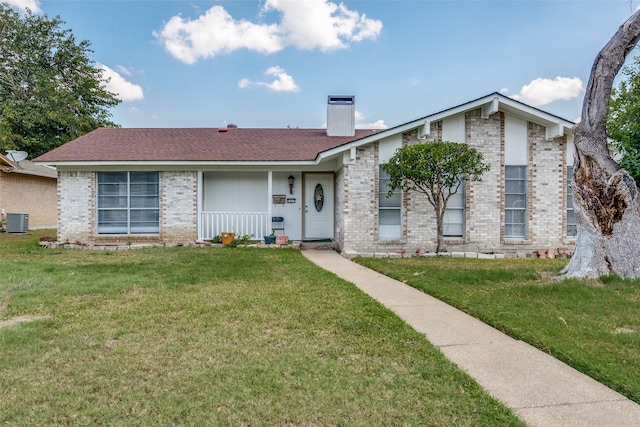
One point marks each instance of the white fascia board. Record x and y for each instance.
(533, 114)
(202, 166)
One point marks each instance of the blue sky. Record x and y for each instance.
(272, 63)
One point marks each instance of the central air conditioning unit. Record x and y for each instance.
(17, 223)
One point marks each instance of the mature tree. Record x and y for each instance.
(623, 121)
(605, 195)
(50, 91)
(435, 169)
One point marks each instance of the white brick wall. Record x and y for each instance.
(75, 206)
(178, 206)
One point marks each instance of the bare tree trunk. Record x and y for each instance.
(605, 196)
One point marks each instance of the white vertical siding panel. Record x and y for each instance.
(515, 141)
(453, 129)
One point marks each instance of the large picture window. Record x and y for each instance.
(453, 221)
(128, 203)
(515, 215)
(389, 210)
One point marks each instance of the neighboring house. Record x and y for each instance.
(28, 188)
(179, 185)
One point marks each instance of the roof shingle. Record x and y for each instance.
(198, 144)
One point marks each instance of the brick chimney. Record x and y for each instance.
(341, 115)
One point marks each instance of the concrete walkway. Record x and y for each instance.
(541, 390)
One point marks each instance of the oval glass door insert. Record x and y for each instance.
(318, 197)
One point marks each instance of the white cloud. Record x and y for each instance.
(544, 91)
(33, 5)
(378, 124)
(283, 82)
(306, 25)
(124, 90)
(123, 70)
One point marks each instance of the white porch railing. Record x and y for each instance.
(214, 223)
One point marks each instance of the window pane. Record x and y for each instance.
(515, 187)
(514, 230)
(515, 172)
(110, 189)
(112, 221)
(143, 177)
(514, 217)
(453, 230)
(390, 216)
(454, 216)
(112, 202)
(515, 201)
(112, 177)
(393, 201)
(144, 202)
(142, 189)
(456, 201)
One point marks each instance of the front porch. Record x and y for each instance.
(256, 224)
(253, 203)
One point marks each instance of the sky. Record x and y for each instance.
(273, 63)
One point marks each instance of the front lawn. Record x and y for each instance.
(203, 336)
(591, 325)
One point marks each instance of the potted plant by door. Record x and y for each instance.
(270, 238)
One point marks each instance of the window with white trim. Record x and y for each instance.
(389, 209)
(128, 203)
(515, 206)
(453, 221)
(572, 227)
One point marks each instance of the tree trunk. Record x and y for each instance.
(605, 197)
(440, 232)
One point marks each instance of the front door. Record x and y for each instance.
(318, 206)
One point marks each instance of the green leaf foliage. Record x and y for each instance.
(435, 169)
(623, 121)
(50, 91)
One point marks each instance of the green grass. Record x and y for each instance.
(591, 325)
(204, 336)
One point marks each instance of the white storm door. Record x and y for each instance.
(318, 206)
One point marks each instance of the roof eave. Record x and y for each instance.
(490, 104)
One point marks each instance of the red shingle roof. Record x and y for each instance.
(198, 144)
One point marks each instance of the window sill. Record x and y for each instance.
(515, 241)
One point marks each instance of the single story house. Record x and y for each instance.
(28, 188)
(177, 185)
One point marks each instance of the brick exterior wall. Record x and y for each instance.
(546, 190)
(30, 194)
(76, 206)
(340, 189)
(359, 201)
(484, 213)
(77, 210)
(178, 206)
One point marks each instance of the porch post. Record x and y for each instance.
(199, 205)
(269, 201)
